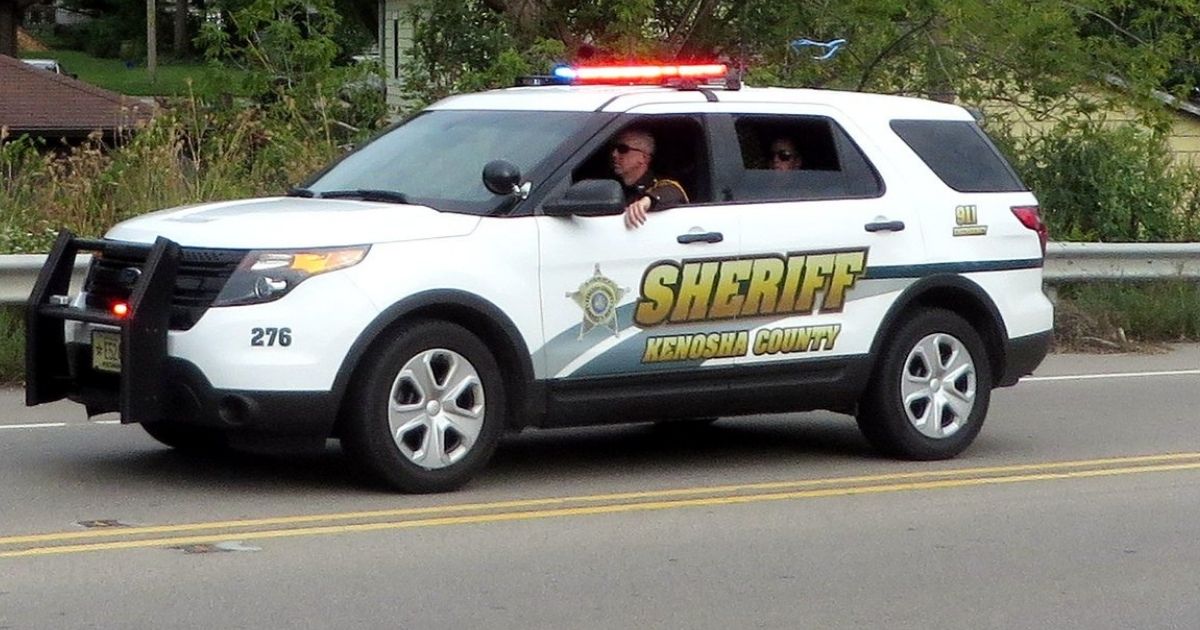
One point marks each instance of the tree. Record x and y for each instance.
(182, 41)
(12, 13)
(1037, 52)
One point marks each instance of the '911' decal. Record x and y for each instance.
(271, 336)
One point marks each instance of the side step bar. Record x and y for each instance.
(143, 330)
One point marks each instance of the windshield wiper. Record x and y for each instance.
(300, 192)
(388, 196)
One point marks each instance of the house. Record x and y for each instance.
(395, 41)
(1183, 136)
(40, 103)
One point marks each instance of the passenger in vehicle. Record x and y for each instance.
(630, 156)
(783, 155)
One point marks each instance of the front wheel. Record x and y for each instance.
(930, 392)
(430, 410)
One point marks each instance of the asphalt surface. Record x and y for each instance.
(1077, 507)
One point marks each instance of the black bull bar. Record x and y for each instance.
(50, 372)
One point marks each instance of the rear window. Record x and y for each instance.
(822, 162)
(959, 153)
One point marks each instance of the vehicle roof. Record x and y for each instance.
(622, 98)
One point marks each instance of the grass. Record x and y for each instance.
(1130, 316)
(12, 346)
(171, 78)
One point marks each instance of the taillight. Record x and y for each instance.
(1031, 217)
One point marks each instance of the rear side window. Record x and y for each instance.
(959, 153)
(800, 158)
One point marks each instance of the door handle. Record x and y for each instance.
(884, 226)
(701, 237)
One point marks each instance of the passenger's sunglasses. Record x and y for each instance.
(786, 156)
(621, 148)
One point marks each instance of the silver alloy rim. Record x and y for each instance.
(436, 408)
(938, 385)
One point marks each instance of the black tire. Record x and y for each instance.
(187, 438)
(412, 462)
(925, 428)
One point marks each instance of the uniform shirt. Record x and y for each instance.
(663, 193)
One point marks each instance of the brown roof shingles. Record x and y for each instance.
(37, 101)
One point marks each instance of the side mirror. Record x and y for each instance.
(502, 177)
(588, 198)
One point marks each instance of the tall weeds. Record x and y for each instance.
(190, 152)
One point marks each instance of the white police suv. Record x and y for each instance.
(469, 272)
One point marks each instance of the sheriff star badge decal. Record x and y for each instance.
(598, 297)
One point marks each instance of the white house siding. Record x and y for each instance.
(1183, 139)
(396, 40)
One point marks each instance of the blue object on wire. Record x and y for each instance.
(831, 47)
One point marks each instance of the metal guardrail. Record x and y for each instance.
(18, 273)
(1065, 262)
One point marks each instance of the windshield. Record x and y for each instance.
(437, 158)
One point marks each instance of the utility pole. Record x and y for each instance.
(151, 41)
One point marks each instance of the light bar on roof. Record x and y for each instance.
(640, 74)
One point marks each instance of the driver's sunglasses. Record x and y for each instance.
(786, 156)
(621, 148)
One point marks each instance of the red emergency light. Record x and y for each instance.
(650, 74)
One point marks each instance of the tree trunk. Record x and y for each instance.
(695, 21)
(182, 42)
(526, 13)
(8, 28)
(11, 14)
(151, 39)
(939, 85)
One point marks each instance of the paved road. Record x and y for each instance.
(1078, 507)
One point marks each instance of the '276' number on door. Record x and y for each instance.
(271, 336)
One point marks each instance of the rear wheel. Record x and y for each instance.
(930, 393)
(430, 410)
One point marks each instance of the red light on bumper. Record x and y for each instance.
(120, 309)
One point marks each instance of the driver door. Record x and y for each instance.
(609, 294)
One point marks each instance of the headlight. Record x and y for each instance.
(267, 275)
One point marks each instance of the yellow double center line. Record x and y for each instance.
(530, 509)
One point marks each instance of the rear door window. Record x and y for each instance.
(800, 158)
(960, 154)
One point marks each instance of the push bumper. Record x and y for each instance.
(137, 392)
(151, 385)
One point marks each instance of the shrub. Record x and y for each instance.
(1097, 182)
(1160, 311)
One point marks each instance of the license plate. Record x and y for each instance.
(106, 351)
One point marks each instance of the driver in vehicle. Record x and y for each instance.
(630, 156)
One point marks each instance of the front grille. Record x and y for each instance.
(201, 276)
